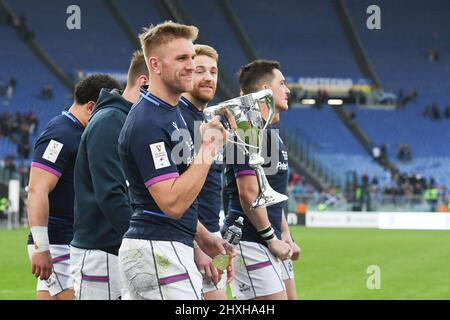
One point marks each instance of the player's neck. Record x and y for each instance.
(131, 94)
(276, 118)
(76, 110)
(265, 113)
(195, 102)
(164, 94)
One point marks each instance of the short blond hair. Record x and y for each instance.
(137, 68)
(205, 50)
(163, 33)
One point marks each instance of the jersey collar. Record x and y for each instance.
(155, 100)
(70, 115)
(189, 105)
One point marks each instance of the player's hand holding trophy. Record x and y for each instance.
(249, 136)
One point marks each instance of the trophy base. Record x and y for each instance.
(268, 199)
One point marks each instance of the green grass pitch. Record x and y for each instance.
(333, 265)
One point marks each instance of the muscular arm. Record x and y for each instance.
(40, 185)
(248, 191)
(174, 196)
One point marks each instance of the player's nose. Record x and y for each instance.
(190, 65)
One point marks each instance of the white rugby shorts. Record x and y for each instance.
(287, 270)
(95, 274)
(159, 270)
(257, 272)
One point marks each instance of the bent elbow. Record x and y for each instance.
(172, 209)
(174, 213)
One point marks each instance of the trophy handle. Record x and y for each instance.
(266, 96)
(267, 196)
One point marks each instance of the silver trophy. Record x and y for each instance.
(248, 136)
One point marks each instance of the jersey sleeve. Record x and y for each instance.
(152, 151)
(52, 153)
(240, 161)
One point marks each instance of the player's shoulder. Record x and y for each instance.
(149, 117)
(61, 130)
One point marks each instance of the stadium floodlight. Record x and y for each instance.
(335, 102)
(308, 101)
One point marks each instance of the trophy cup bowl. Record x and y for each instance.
(248, 136)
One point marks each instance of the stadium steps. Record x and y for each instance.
(304, 159)
(362, 138)
(39, 52)
(354, 42)
(237, 29)
(367, 70)
(309, 44)
(123, 23)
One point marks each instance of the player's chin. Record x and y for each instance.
(206, 96)
(284, 106)
(186, 86)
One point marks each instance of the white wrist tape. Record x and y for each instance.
(40, 238)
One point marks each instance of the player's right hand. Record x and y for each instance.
(41, 265)
(280, 249)
(205, 266)
(213, 133)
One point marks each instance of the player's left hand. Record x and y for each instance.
(213, 245)
(295, 249)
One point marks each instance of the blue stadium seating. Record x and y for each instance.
(398, 50)
(214, 28)
(99, 44)
(141, 14)
(398, 53)
(31, 75)
(305, 36)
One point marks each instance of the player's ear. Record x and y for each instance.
(142, 80)
(154, 65)
(90, 106)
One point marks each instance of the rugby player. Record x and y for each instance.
(102, 206)
(191, 105)
(156, 257)
(51, 191)
(258, 266)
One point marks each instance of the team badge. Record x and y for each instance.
(52, 151)
(159, 154)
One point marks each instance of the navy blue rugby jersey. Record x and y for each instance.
(55, 151)
(276, 170)
(155, 145)
(210, 197)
